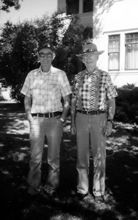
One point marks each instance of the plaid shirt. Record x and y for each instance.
(93, 90)
(46, 89)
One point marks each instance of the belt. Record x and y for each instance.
(95, 112)
(47, 115)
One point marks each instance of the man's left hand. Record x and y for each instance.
(108, 128)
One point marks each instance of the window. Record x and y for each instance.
(87, 5)
(72, 6)
(114, 52)
(131, 45)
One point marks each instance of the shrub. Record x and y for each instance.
(127, 104)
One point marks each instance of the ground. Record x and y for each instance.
(121, 181)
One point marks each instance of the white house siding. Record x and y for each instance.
(115, 17)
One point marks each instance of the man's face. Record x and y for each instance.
(46, 56)
(90, 60)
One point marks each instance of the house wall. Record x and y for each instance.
(111, 17)
(61, 5)
(115, 17)
(84, 18)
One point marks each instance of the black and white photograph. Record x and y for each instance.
(69, 109)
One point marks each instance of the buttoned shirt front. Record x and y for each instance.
(46, 89)
(93, 90)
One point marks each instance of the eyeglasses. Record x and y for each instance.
(89, 56)
(46, 55)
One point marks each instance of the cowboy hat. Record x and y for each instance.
(89, 48)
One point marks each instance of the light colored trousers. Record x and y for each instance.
(90, 133)
(39, 128)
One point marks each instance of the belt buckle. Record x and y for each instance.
(50, 114)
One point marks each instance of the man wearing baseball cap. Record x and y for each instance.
(93, 109)
(43, 90)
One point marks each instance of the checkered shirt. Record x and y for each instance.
(46, 89)
(93, 90)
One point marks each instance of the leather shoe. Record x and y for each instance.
(99, 199)
(85, 198)
(33, 191)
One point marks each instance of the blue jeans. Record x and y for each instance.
(90, 132)
(39, 128)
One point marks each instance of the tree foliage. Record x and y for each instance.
(7, 4)
(18, 54)
(19, 43)
(71, 45)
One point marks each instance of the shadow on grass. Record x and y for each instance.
(121, 181)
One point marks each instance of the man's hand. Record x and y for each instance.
(73, 129)
(73, 113)
(62, 121)
(108, 130)
(28, 104)
(29, 117)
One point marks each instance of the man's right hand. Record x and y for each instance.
(29, 117)
(73, 129)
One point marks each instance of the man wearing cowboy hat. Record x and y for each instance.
(93, 109)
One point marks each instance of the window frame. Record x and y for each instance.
(114, 52)
(69, 10)
(131, 44)
(85, 2)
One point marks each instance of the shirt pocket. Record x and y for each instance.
(36, 87)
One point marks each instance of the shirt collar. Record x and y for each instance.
(41, 72)
(95, 72)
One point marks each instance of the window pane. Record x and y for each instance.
(87, 5)
(131, 51)
(114, 52)
(114, 61)
(72, 6)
